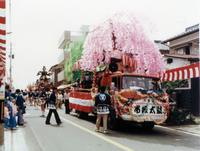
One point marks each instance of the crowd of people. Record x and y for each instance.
(14, 108)
(16, 102)
(42, 98)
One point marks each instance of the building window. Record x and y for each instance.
(183, 51)
(180, 51)
(169, 60)
(187, 50)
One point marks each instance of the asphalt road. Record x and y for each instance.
(79, 135)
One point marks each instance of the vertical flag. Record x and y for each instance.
(2, 38)
(2, 57)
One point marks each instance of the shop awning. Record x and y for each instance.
(182, 73)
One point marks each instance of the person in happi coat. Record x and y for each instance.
(20, 107)
(52, 108)
(102, 103)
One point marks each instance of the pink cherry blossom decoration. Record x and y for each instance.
(123, 33)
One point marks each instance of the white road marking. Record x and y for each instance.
(178, 130)
(118, 145)
(37, 139)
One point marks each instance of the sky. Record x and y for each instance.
(37, 26)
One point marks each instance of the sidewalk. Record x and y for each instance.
(193, 129)
(21, 139)
(14, 140)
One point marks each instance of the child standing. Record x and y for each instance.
(6, 117)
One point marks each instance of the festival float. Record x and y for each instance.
(121, 57)
(43, 83)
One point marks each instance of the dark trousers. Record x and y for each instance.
(58, 121)
(20, 120)
(67, 107)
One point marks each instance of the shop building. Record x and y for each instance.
(68, 41)
(183, 64)
(57, 76)
(184, 48)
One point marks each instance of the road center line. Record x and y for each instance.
(125, 148)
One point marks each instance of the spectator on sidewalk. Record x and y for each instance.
(12, 114)
(66, 101)
(52, 108)
(6, 117)
(102, 103)
(20, 107)
(10, 120)
(59, 100)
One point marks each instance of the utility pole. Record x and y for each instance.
(11, 56)
(10, 70)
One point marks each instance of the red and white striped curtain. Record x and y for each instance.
(182, 73)
(2, 38)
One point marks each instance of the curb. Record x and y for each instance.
(179, 130)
